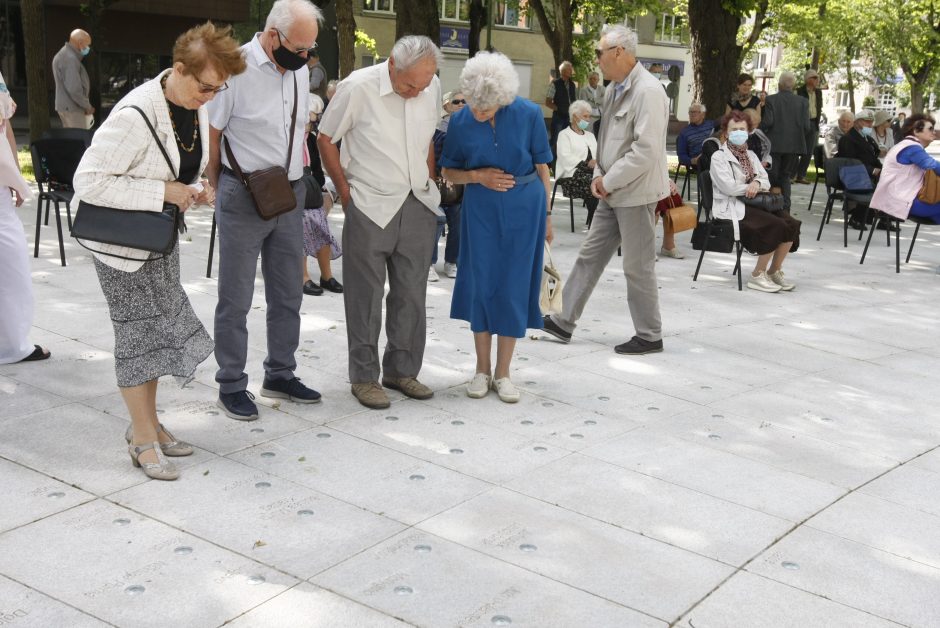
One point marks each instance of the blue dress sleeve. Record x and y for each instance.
(539, 146)
(452, 155)
(918, 156)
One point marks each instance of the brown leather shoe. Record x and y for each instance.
(410, 386)
(371, 395)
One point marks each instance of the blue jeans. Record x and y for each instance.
(451, 218)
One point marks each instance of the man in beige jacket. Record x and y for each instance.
(630, 177)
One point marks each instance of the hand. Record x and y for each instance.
(179, 194)
(672, 188)
(495, 179)
(19, 199)
(593, 163)
(597, 188)
(875, 172)
(752, 189)
(695, 160)
(549, 232)
(207, 196)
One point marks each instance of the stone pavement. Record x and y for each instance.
(777, 465)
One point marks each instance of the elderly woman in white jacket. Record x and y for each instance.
(737, 175)
(577, 144)
(156, 331)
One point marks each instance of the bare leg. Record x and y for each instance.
(669, 238)
(303, 261)
(761, 265)
(141, 402)
(323, 261)
(483, 344)
(505, 345)
(780, 254)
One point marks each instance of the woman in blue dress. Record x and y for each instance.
(498, 148)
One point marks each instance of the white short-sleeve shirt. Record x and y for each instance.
(254, 113)
(386, 139)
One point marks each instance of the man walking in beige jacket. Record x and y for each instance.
(630, 177)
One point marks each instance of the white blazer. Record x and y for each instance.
(123, 168)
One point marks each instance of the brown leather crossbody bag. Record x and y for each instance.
(270, 188)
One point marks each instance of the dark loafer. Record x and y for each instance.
(332, 285)
(38, 354)
(312, 288)
(638, 346)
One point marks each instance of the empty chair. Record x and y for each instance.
(837, 192)
(54, 163)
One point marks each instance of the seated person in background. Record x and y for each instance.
(689, 142)
(883, 135)
(858, 143)
(743, 98)
(736, 172)
(835, 133)
(758, 142)
(577, 153)
(904, 170)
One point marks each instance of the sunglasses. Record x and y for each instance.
(600, 51)
(298, 51)
(458, 101)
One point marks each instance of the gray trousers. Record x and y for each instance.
(243, 235)
(403, 249)
(631, 228)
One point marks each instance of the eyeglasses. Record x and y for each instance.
(600, 51)
(206, 88)
(458, 101)
(298, 51)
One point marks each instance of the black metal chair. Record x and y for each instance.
(686, 181)
(705, 198)
(836, 192)
(819, 160)
(570, 200)
(55, 161)
(896, 222)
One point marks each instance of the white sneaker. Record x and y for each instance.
(450, 270)
(432, 275)
(506, 390)
(762, 282)
(479, 386)
(673, 253)
(781, 281)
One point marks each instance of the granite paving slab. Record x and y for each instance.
(22, 606)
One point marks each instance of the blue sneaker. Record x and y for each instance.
(238, 405)
(290, 389)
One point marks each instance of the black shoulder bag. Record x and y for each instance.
(153, 231)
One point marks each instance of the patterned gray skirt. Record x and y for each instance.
(156, 331)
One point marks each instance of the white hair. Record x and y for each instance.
(314, 105)
(565, 64)
(697, 105)
(285, 13)
(847, 115)
(620, 35)
(488, 80)
(411, 49)
(786, 82)
(578, 108)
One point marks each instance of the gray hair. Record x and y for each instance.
(786, 82)
(411, 49)
(578, 108)
(697, 105)
(620, 35)
(284, 13)
(565, 64)
(847, 115)
(488, 80)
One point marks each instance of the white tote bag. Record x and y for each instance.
(550, 294)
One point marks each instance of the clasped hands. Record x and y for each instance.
(185, 196)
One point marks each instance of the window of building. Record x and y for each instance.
(630, 22)
(455, 10)
(842, 98)
(512, 14)
(671, 29)
(385, 6)
(885, 101)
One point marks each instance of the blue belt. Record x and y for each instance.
(527, 178)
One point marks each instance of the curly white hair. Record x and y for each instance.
(488, 81)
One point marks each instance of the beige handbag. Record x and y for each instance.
(550, 294)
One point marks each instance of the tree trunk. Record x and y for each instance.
(850, 80)
(478, 15)
(346, 37)
(557, 27)
(917, 97)
(716, 56)
(37, 92)
(418, 17)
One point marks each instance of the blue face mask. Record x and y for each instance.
(86, 50)
(867, 131)
(738, 137)
(583, 125)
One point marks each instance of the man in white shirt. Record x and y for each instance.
(254, 114)
(385, 116)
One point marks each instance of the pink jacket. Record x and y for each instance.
(898, 184)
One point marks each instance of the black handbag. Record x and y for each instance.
(153, 231)
(714, 235)
(451, 193)
(766, 201)
(578, 185)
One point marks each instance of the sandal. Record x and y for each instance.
(38, 354)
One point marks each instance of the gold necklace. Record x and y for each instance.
(179, 140)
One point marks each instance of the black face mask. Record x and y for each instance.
(288, 60)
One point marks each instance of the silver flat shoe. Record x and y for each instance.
(174, 448)
(163, 469)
